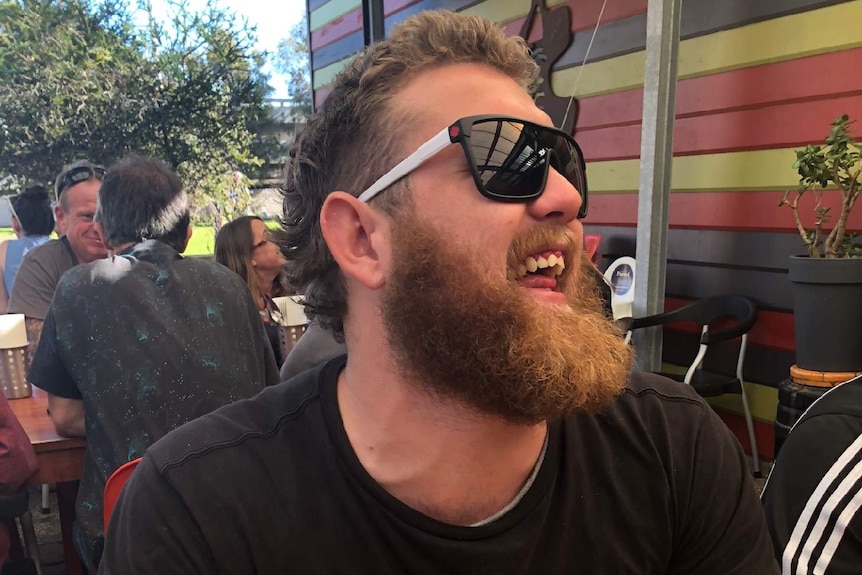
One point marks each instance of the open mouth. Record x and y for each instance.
(550, 264)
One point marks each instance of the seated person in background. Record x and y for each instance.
(17, 462)
(32, 222)
(316, 345)
(139, 343)
(485, 419)
(245, 246)
(813, 497)
(77, 188)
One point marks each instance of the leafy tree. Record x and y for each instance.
(83, 78)
(292, 59)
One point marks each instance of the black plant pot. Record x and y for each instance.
(827, 305)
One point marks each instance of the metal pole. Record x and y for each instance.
(372, 21)
(662, 47)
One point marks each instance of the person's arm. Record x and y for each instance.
(815, 526)
(67, 415)
(720, 526)
(34, 334)
(153, 531)
(17, 459)
(48, 371)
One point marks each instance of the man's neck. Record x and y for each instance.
(440, 458)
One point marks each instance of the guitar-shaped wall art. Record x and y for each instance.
(556, 38)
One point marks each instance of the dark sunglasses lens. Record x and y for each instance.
(512, 158)
(81, 174)
(507, 159)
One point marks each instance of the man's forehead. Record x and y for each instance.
(83, 195)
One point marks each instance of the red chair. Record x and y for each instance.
(113, 487)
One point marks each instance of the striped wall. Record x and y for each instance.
(756, 80)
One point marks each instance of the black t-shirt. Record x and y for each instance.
(655, 485)
(814, 494)
(149, 341)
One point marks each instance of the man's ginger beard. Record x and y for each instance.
(486, 344)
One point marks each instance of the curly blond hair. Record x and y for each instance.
(354, 139)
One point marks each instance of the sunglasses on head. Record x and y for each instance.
(80, 174)
(508, 157)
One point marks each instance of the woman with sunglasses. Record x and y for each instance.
(32, 222)
(245, 246)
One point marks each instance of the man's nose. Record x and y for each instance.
(559, 203)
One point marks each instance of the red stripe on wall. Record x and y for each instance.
(713, 210)
(320, 95)
(782, 126)
(773, 329)
(337, 29)
(739, 89)
(350, 23)
(584, 13)
(764, 434)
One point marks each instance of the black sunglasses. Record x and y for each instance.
(80, 174)
(508, 157)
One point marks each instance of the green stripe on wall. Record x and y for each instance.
(330, 11)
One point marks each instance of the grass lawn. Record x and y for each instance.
(202, 242)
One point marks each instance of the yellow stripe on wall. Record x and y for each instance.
(775, 40)
(751, 171)
(330, 11)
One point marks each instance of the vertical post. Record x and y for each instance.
(662, 47)
(372, 21)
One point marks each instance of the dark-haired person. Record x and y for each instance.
(485, 419)
(813, 497)
(76, 189)
(32, 222)
(136, 344)
(245, 246)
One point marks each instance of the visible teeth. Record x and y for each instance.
(522, 270)
(542, 262)
(552, 260)
(558, 269)
(562, 263)
(532, 265)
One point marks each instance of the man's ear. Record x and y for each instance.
(59, 221)
(357, 236)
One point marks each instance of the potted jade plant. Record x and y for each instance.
(827, 282)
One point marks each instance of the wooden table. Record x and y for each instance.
(60, 459)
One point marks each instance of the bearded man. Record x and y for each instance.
(484, 419)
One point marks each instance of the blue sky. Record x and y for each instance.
(272, 18)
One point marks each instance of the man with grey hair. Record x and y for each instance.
(141, 342)
(76, 188)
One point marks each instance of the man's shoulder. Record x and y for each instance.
(50, 251)
(225, 432)
(844, 399)
(644, 388)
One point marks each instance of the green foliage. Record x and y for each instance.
(83, 78)
(292, 59)
(836, 164)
